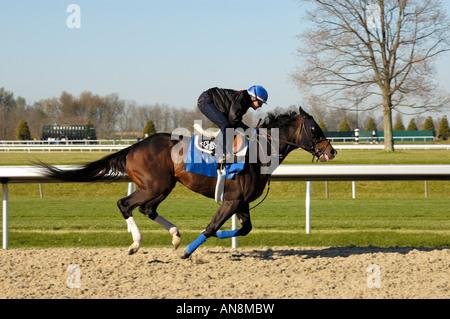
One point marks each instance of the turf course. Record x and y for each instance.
(383, 214)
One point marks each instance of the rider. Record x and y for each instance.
(225, 108)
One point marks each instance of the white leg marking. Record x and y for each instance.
(137, 237)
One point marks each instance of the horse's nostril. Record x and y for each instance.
(333, 152)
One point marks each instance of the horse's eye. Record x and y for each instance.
(313, 129)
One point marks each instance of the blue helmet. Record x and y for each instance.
(258, 92)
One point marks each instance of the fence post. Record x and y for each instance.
(234, 240)
(5, 215)
(353, 190)
(130, 189)
(308, 207)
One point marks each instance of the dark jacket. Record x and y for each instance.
(234, 104)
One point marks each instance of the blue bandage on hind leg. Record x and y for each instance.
(194, 245)
(221, 234)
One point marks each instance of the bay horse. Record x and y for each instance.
(151, 167)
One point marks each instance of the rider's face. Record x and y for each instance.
(256, 104)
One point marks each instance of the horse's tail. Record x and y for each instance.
(108, 168)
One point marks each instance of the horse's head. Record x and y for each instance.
(312, 139)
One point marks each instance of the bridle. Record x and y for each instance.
(312, 142)
(310, 146)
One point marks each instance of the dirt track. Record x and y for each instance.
(277, 272)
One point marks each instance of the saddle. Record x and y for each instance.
(209, 144)
(201, 157)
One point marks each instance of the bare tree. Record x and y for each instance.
(374, 54)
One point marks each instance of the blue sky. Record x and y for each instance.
(154, 51)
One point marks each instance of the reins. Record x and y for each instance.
(268, 179)
(312, 148)
(265, 196)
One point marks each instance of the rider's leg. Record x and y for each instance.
(208, 109)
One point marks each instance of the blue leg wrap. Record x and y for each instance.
(221, 234)
(194, 245)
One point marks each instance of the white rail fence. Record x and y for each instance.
(308, 173)
(370, 139)
(42, 147)
(60, 148)
(67, 142)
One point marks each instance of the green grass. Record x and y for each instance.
(296, 157)
(364, 189)
(384, 214)
(374, 157)
(45, 223)
(60, 158)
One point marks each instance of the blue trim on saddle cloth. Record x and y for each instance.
(206, 164)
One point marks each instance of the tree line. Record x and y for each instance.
(441, 131)
(109, 114)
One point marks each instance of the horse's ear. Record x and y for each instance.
(302, 113)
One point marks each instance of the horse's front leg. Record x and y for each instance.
(225, 211)
(243, 214)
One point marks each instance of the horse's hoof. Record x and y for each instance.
(176, 241)
(185, 256)
(133, 248)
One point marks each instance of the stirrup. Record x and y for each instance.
(221, 166)
(226, 159)
(223, 161)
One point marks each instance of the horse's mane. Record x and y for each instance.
(272, 120)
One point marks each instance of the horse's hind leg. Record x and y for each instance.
(149, 210)
(126, 206)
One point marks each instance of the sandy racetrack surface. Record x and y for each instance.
(259, 273)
